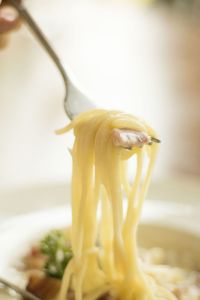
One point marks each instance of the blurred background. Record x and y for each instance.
(141, 57)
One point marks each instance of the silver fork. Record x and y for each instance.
(75, 101)
(24, 294)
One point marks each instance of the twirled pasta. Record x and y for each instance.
(105, 250)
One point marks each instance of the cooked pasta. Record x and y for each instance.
(105, 258)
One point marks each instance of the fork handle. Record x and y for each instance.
(25, 15)
(25, 294)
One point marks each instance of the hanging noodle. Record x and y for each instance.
(105, 258)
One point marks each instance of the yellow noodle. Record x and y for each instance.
(106, 260)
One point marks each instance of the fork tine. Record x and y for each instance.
(155, 140)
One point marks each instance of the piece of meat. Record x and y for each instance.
(43, 287)
(105, 297)
(35, 260)
(128, 139)
(47, 288)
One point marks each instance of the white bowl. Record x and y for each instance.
(170, 225)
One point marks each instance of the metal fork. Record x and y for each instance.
(24, 294)
(75, 101)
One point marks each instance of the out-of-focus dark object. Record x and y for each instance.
(184, 6)
(9, 21)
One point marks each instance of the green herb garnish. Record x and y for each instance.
(54, 246)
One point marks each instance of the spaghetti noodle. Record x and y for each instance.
(105, 258)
